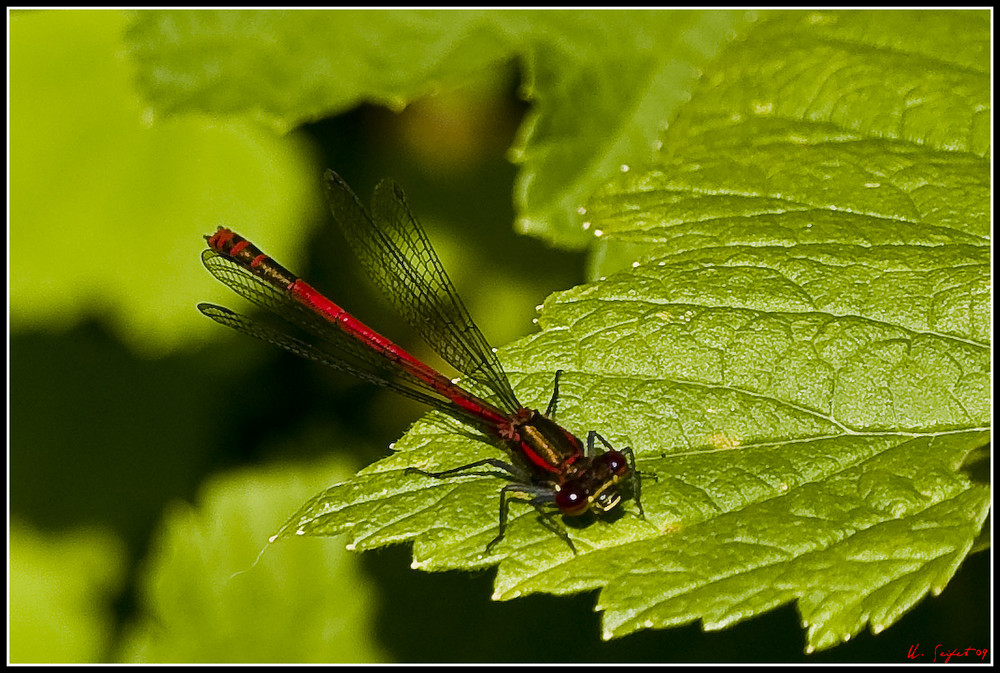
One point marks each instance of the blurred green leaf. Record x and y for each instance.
(291, 67)
(604, 83)
(214, 590)
(61, 590)
(800, 355)
(107, 209)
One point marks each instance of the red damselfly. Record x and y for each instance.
(550, 467)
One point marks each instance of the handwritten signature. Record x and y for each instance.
(942, 653)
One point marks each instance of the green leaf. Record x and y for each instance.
(105, 208)
(604, 83)
(214, 590)
(799, 358)
(289, 67)
(62, 587)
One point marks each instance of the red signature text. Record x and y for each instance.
(945, 654)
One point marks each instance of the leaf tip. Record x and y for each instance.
(499, 595)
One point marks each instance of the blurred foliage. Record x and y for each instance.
(60, 586)
(206, 601)
(100, 192)
(603, 84)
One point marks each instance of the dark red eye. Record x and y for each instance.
(615, 462)
(572, 499)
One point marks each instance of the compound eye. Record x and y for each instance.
(572, 499)
(615, 461)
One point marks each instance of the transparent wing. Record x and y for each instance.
(395, 251)
(319, 340)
